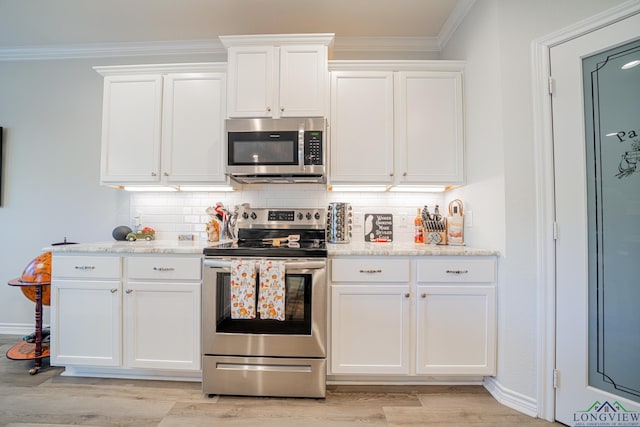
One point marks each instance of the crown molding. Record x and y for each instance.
(108, 50)
(207, 47)
(456, 17)
(277, 39)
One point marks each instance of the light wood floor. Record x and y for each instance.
(47, 399)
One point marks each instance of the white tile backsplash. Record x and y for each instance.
(173, 214)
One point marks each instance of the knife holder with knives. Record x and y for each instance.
(435, 227)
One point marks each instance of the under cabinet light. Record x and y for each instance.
(362, 188)
(148, 188)
(417, 189)
(224, 188)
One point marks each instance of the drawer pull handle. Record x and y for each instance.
(129, 291)
(163, 269)
(457, 271)
(114, 290)
(407, 295)
(423, 295)
(85, 267)
(370, 271)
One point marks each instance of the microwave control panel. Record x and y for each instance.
(313, 147)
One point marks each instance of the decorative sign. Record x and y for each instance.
(378, 227)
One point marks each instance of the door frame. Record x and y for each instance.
(542, 86)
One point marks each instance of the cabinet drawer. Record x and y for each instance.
(94, 267)
(456, 269)
(156, 267)
(370, 270)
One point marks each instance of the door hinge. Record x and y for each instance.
(552, 83)
(556, 378)
(555, 230)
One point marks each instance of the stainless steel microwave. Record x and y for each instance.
(287, 150)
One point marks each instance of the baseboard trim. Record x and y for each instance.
(512, 399)
(21, 329)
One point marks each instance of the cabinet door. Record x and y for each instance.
(193, 142)
(429, 128)
(304, 76)
(85, 323)
(456, 330)
(252, 78)
(361, 127)
(131, 129)
(370, 329)
(162, 325)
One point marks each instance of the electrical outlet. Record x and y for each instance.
(468, 219)
(137, 220)
(358, 219)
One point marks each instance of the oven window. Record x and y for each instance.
(297, 309)
(263, 148)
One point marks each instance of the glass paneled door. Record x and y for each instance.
(612, 123)
(596, 127)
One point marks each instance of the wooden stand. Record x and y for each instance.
(31, 351)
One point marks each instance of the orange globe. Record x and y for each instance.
(38, 271)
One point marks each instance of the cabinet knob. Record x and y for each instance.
(391, 174)
(114, 290)
(269, 109)
(166, 174)
(129, 291)
(281, 108)
(404, 174)
(407, 295)
(154, 174)
(423, 295)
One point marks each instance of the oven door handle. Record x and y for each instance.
(291, 265)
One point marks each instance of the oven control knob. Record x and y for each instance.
(253, 215)
(299, 216)
(308, 215)
(245, 215)
(317, 216)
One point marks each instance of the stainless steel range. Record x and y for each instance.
(264, 306)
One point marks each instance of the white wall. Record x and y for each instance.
(51, 112)
(495, 40)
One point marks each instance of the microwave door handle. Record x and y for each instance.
(301, 147)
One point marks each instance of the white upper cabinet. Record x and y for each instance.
(163, 124)
(362, 127)
(429, 129)
(131, 128)
(278, 76)
(397, 123)
(193, 138)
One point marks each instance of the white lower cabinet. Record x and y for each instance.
(162, 314)
(130, 313)
(371, 329)
(412, 317)
(86, 311)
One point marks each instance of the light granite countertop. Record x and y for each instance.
(159, 247)
(169, 247)
(404, 249)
